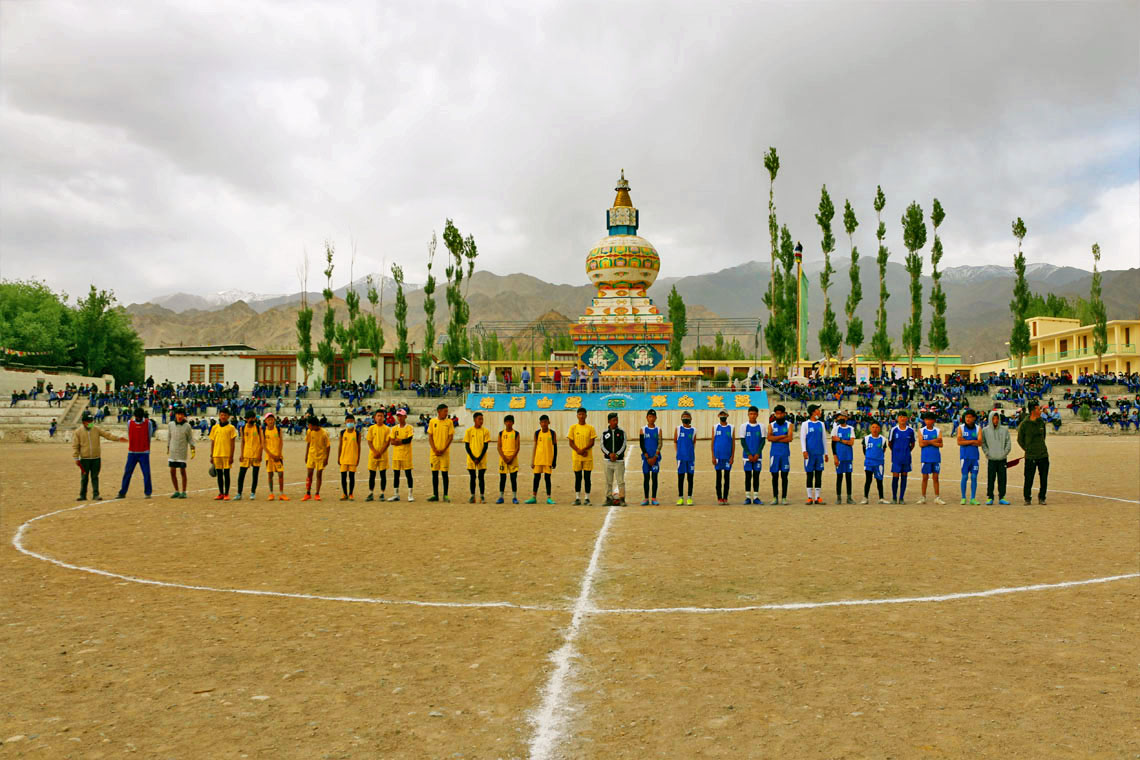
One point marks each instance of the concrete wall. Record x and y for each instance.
(175, 367)
(23, 380)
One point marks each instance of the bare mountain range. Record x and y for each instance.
(977, 312)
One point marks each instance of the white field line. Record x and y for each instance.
(863, 602)
(552, 715)
(1094, 496)
(18, 543)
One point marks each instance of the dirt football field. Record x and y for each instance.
(256, 629)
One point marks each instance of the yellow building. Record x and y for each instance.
(1065, 345)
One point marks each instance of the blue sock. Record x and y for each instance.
(973, 485)
(895, 489)
(965, 477)
(902, 486)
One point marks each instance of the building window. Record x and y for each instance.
(217, 373)
(276, 371)
(1034, 329)
(197, 373)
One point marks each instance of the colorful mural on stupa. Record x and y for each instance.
(622, 329)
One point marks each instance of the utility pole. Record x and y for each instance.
(799, 277)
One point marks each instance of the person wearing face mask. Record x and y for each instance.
(222, 438)
(179, 445)
(138, 453)
(86, 452)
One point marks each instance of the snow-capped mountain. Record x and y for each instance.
(1050, 273)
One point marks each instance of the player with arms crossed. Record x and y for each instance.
(685, 442)
(752, 438)
(780, 455)
(813, 433)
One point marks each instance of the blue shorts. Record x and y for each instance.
(931, 468)
(645, 466)
(757, 466)
(842, 468)
(877, 470)
(724, 464)
(685, 467)
(900, 465)
(970, 466)
(778, 463)
(814, 463)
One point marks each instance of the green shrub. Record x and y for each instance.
(1085, 413)
(721, 376)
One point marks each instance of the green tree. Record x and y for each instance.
(937, 338)
(401, 351)
(1100, 315)
(775, 334)
(305, 356)
(429, 305)
(830, 339)
(371, 327)
(326, 349)
(790, 315)
(348, 334)
(34, 318)
(855, 296)
(678, 316)
(881, 349)
(1019, 306)
(914, 238)
(104, 339)
(463, 252)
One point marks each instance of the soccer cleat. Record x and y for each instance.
(963, 501)
(1042, 502)
(270, 497)
(810, 501)
(975, 502)
(226, 497)
(850, 500)
(689, 502)
(531, 500)
(447, 498)
(586, 502)
(748, 500)
(939, 500)
(500, 500)
(549, 500)
(283, 497)
(1003, 501)
(863, 501)
(482, 499)
(680, 500)
(174, 495)
(317, 496)
(410, 497)
(989, 502)
(820, 501)
(757, 502)
(433, 497)
(252, 496)
(344, 497)
(1029, 502)
(514, 500)
(883, 501)
(121, 496)
(237, 497)
(395, 497)
(370, 497)
(577, 502)
(645, 502)
(471, 499)
(307, 497)
(654, 502)
(921, 500)
(219, 497)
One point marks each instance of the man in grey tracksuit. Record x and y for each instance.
(996, 445)
(613, 449)
(178, 445)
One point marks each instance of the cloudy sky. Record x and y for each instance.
(153, 147)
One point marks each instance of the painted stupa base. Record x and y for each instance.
(622, 346)
(622, 309)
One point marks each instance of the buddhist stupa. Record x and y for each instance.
(622, 329)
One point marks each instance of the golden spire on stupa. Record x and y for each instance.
(622, 188)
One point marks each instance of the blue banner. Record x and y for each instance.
(601, 402)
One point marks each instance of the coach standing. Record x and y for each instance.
(1031, 439)
(613, 449)
(996, 446)
(85, 449)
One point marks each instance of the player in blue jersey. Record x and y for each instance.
(969, 451)
(723, 453)
(901, 442)
(685, 442)
(843, 446)
(779, 456)
(930, 454)
(874, 459)
(752, 438)
(650, 440)
(813, 434)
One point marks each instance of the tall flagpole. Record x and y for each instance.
(799, 278)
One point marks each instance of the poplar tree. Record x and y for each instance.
(775, 334)
(937, 338)
(854, 323)
(372, 326)
(789, 316)
(914, 238)
(348, 334)
(678, 316)
(1099, 313)
(429, 304)
(1019, 306)
(326, 352)
(305, 356)
(830, 339)
(881, 348)
(401, 351)
(463, 252)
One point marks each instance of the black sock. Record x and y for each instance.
(577, 482)
(775, 485)
(689, 481)
(371, 481)
(396, 479)
(408, 477)
(446, 480)
(435, 483)
(383, 480)
(241, 478)
(867, 484)
(645, 484)
(221, 482)
(502, 483)
(719, 480)
(343, 483)
(847, 476)
(471, 481)
(838, 486)
(653, 484)
(514, 482)
(482, 483)
(226, 474)
(586, 481)
(784, 483)
(537, 480)
(546, 476)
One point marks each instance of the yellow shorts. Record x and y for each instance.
(512, 467)
(315, 463)
(440, 463)
(274, 465)
(377, 464)
(348, 467)
(221, 463)
(249, 462)
(399, 463)
(542, 469)
(581, 464)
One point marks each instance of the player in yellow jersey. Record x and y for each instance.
(400, 439)
(544, 458)
(252, 445)
(274, 456)
(317, 447)
(348, 457)
(477, 442)
(582, 437)
(377, 441)
(440, 434)
(222, 438)
(508, 445)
